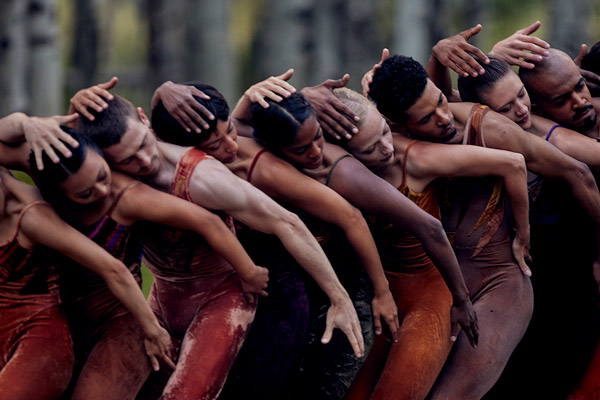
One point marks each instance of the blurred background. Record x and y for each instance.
(49, 49)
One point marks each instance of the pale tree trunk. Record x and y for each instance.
(570, 25)
(361, 46)
(44, 66)
(85, 47)
(166, 19)
(13, 56)
(411, 29)
(285, 40)
(209, 48)
(329, 44)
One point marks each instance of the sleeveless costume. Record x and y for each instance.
(111, 361)
(408, 369)
(478, 221)
(197, 296)
(272, 350)
(35, 343)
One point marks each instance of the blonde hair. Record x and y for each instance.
(355, 101)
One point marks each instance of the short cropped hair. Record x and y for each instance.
(397, 84)
(168, 129)
(109, 125)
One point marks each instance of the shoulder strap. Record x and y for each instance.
(335, 163)
(121, 193)
(254, 160)
(474, 132)
(184, 169)
(22, 213)
(410, 145)
(552, 130)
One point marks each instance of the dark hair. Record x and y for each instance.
(471, 88)
(397, 85)
(591, 62)
(168, 129)
(53, 174)
(278, 124)
(108, 126)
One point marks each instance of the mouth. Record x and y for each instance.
(388, 158)
(230, 159)
(584, 114)
(314, 164)
(524, 120)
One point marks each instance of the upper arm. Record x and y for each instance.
(215, 187)
(541, 157)
(15, 156)
(42, 225)
(371, 193)
(440, 160)
(281, 180)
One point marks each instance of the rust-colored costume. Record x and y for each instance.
(197, 297)
(35, 343)
(109, 343)
(407, 369)
(478, 220)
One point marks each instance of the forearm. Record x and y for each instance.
(305, 249)
(437, 247)
(361, 240)
(439, 74)
(122, 284)
(224, 242)
(515, 183)
(11, 128)
(243, 110)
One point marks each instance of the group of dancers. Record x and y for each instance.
(317, 243)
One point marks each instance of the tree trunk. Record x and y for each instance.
(209, 48)
(570, 25)
(45, 74)
(166, 41)
(360, 40)
(85, 48)
(13, 56)
(285, 40)
(329, 46)
(411, 29)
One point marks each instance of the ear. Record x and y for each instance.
(143, 116)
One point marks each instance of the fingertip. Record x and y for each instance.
(453, 338)
(324, 340)
(528, 272)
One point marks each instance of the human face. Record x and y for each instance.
(430, 118)
(92, 183)
(307, 149)
(222, 143)
(373, 144)
(566, 99)
(137, 152)
(509, 97)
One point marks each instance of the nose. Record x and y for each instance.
(231, 146)
(521, 109)
(443, 117)
(386, 148)
(144, 159)
(102, 189)
(578, 101)
(315, 151)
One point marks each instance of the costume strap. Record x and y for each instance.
(335, 163)
(253, 164)
(552, 130)
(184, 170)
